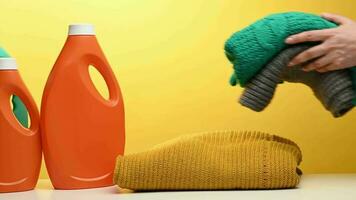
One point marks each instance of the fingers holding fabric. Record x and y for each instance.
(310, 36)
(312, 53)
(338, 19)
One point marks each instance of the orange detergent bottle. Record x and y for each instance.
(20, 147)
(82, 132)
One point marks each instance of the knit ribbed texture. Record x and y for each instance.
(211, 161)
(333, 89)
(251, 48)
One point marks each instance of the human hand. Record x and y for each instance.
(337, 50)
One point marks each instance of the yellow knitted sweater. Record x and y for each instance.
(218, 160)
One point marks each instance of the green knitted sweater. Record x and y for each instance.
(251, 48)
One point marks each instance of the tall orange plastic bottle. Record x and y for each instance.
(20, 148)
(82, 132)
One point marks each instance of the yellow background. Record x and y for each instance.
(168, 57)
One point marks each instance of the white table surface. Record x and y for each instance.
(313, 187)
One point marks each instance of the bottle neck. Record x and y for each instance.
(80, 41)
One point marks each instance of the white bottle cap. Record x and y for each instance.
(8, 63)
(81, 29)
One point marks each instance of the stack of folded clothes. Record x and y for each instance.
(260, 57)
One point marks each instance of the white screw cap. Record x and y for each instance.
(8, 64)
(81, 29)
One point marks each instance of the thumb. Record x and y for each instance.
(336, 18)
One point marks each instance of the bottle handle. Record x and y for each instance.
(30, 104)
(106, 72)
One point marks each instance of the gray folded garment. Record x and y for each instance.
(333, 89)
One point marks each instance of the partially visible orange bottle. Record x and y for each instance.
(82, 132)
(20, 148)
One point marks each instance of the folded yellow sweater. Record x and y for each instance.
(211, 161)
